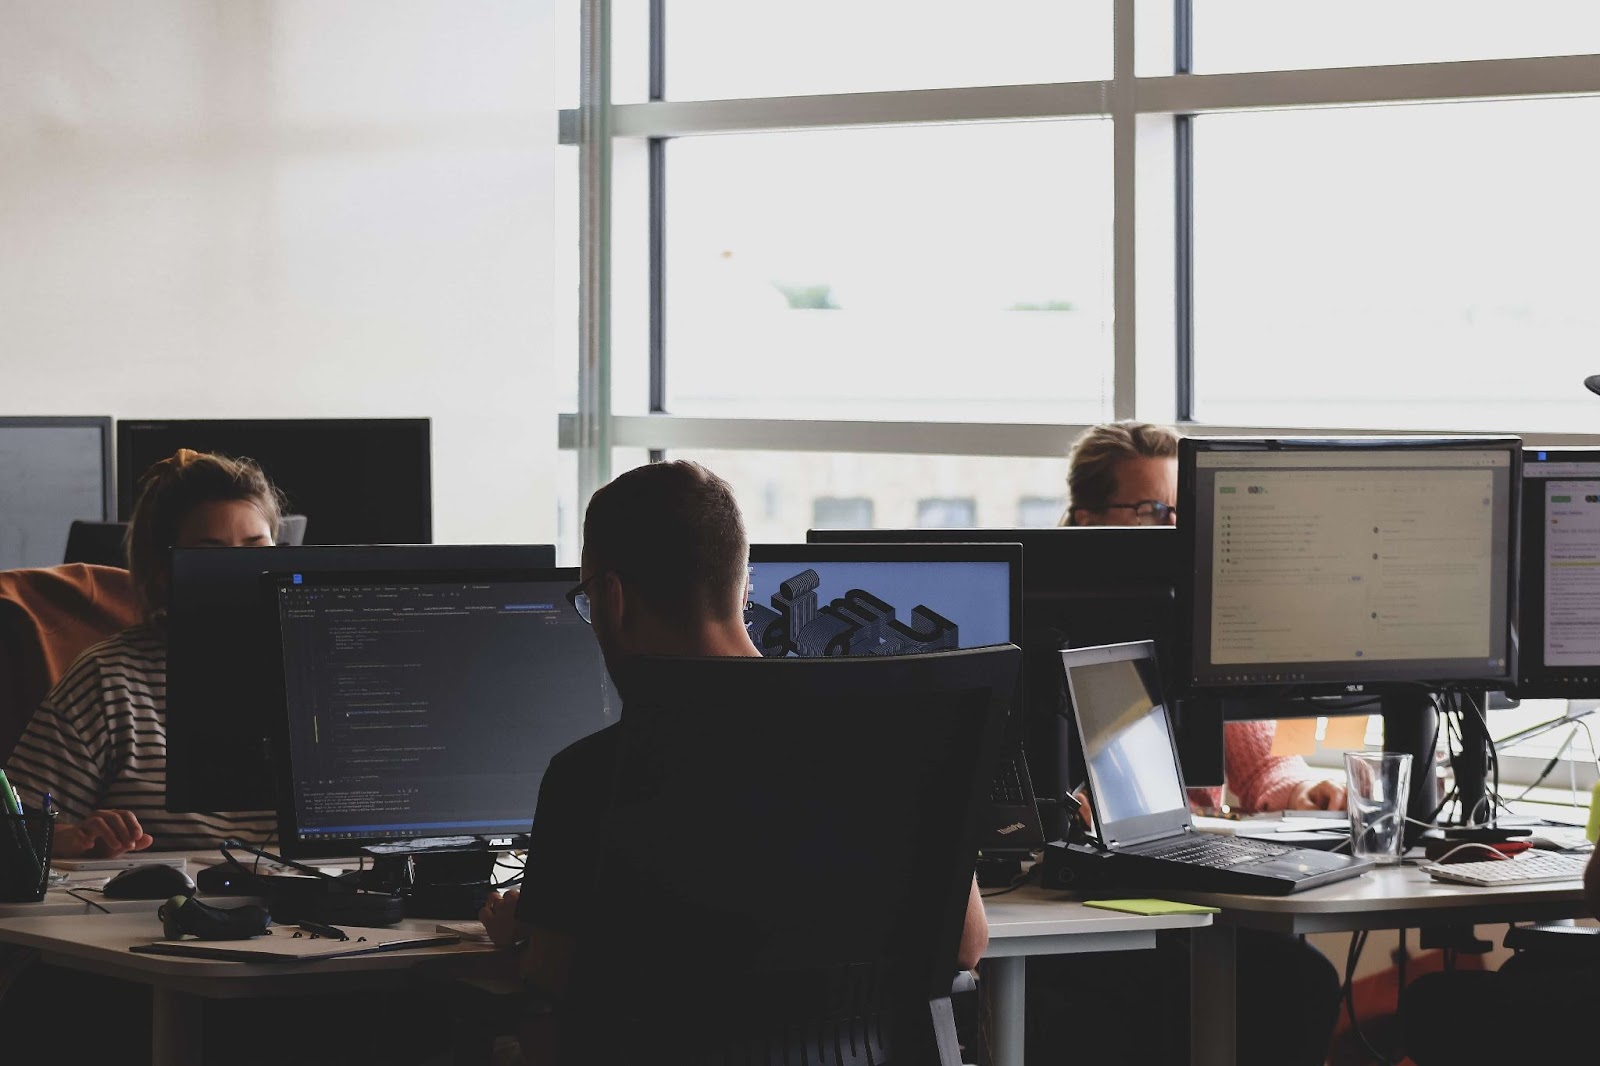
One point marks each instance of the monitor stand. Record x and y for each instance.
(1411, 725)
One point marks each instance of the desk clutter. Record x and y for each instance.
(288, 944)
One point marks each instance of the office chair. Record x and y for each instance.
(786, 862)
(47, 618)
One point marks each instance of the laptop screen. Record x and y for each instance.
(1127, 740)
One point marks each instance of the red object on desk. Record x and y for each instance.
(1436, 850)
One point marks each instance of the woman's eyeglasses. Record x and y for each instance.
(1147, 512)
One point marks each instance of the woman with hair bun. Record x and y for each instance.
(98, 743)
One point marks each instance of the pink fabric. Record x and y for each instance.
(1262, 781)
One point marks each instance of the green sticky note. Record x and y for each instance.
(1149, 906)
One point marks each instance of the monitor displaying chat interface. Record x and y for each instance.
(429, 708)
(1560, 602)
(825, 606)
(1352, 564)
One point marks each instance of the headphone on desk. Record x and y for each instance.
(186, 916)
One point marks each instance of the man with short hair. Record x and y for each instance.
(665, 572)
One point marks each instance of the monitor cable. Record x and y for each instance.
(1358, 943)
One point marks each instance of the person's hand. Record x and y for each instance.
(102, 835)
(1317, 796)
(499, 918)
(1085, 814)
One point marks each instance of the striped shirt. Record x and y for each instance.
(99, 742)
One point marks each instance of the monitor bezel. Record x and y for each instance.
(291, 843)
(888, 552)
(1354, 681)
(1535, 679)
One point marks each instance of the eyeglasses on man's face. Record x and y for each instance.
(1148, 512)
(578, 596)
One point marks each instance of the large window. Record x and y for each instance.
(878, 263)
(955, 273)
(1422, 267)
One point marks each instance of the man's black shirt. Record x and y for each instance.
(564, 844)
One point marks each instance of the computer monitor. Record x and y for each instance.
(824, 600)
(1559, 610)
(1349, 565)
(1083, 587)
(427, 706)
(1373, 566)
(53, 471)
(222, 656)
(357, 480)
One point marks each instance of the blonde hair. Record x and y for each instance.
(1092, 463)
(168, 491)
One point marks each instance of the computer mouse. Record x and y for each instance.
(153, 880)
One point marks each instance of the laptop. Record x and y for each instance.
(1146, 838)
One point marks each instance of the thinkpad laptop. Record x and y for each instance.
(1146, 839)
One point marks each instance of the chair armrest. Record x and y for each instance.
(965, 981)
(1569, 941)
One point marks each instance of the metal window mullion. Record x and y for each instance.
(1124, 231)
(657, 154)
(594, 429)
(1183, 229)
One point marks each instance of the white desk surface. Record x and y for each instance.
(1393, 897)
(100, 944)
(1035, 921)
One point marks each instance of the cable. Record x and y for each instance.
(1016, 883)
(73, 892)
(1358, 942)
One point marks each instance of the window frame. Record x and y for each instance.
(1153, 364)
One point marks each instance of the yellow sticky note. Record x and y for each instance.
(1149, 906)
(1347, 731)
(1295, 736)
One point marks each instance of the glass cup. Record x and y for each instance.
(1379, 785)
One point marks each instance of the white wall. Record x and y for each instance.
(294, 208)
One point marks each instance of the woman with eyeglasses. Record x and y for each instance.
(1126, 474)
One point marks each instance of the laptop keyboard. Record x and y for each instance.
(1007, 789)
(1219, 852)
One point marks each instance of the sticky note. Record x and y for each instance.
(1295, 736)
(1347, 731)
(1149, 906)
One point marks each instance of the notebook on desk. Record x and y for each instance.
(1147, 837)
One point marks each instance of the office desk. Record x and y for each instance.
(179, 985)
(1394, 897)
(1033, 921)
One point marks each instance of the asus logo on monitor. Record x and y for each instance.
(1355, 688)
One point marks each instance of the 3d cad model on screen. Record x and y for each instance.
(857, 623)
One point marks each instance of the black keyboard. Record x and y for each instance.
(1211, 851)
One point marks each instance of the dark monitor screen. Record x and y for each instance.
(1083, 587)
(818, 600)
(1559, 611)
(357, 480)
(428, 706)
(222, 656)
(1348, 565)
(53, 471)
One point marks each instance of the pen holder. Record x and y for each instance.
(25, 841)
